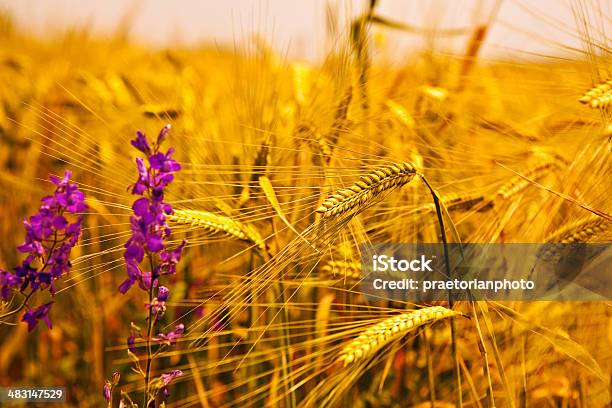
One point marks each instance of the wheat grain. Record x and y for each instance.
(383, 178)
(217, 224)
(598, 97)
(389, 330)
(350, 271)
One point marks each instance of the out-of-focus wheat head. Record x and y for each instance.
(288, 168)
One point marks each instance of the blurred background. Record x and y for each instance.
(522, 29)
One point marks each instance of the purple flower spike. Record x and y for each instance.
(147, 256)
(148, 222)
(50, 237)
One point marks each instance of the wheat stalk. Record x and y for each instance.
(341, 122)
(217, 224)
(389, 330)
(382, 179)
(598, 97)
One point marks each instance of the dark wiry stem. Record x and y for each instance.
(450, 297)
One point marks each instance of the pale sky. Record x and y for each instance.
(298, 27)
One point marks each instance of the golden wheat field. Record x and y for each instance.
(216, 262)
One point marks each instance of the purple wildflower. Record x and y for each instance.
(169, 259)
(32, 316)
(171, 337)
(170, 376)
(141, 143)
(7, 281)
(50, 237)
(164, 162)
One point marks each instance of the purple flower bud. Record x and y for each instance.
(130, 343)
(163, 133)
(162, 293)
(106, 391)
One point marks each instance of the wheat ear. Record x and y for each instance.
(382, 179)
(517, 183)
(217, 224)
(582, 231)
(389, 330)
(598, 97)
